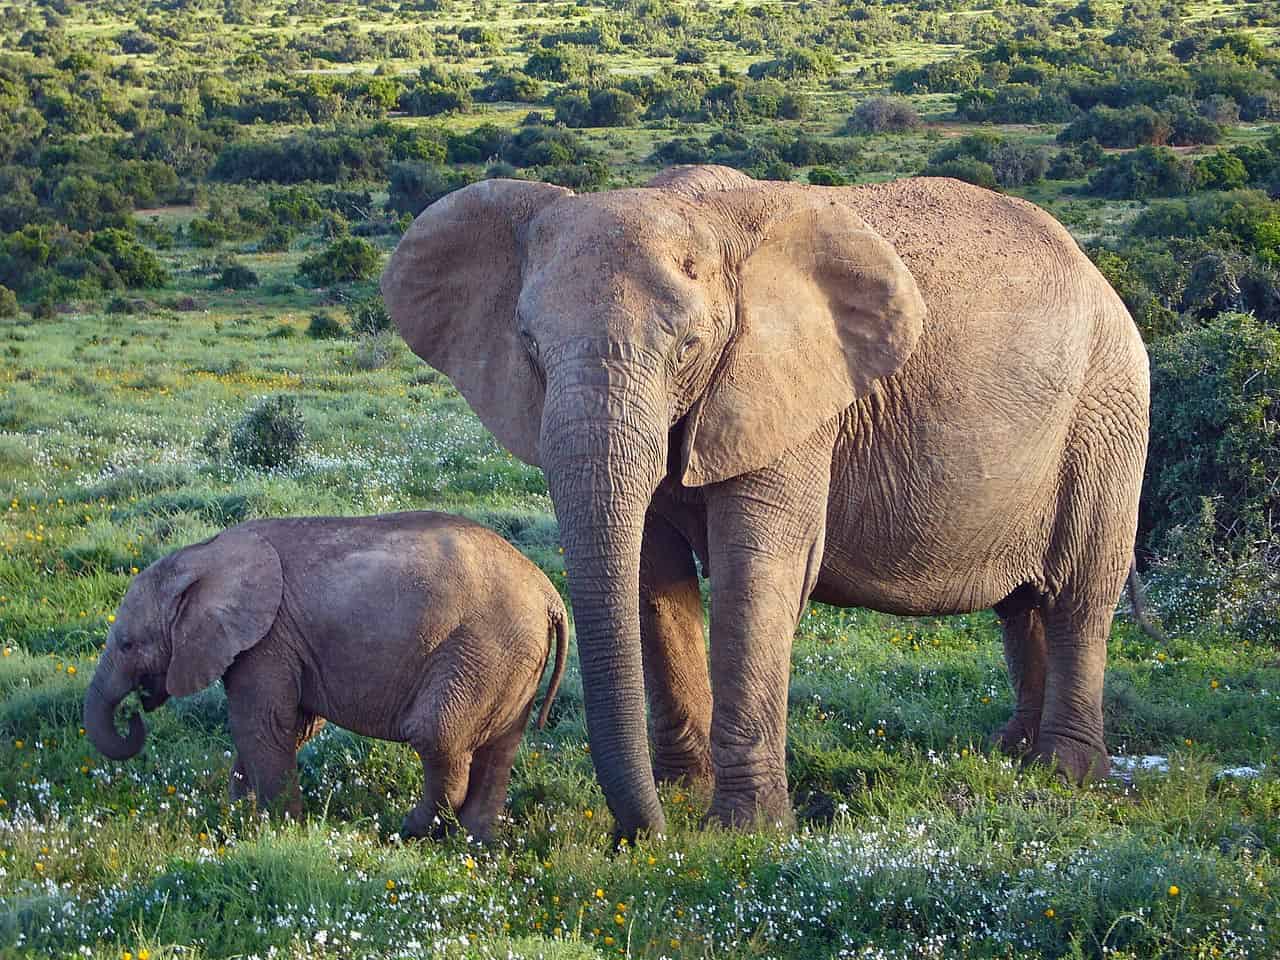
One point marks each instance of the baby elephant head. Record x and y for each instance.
(181, 624)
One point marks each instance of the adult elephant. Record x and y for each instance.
(919, 397)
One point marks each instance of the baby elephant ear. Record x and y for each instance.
(825, 308)
(224, 595)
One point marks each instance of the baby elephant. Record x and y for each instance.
(415, 627)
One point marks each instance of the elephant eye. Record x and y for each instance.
(530, 344)
(126, 646)
(686, 347)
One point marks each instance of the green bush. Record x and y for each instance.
(347, 259)
(1215, 415)
(369, 316)
(826, 177)
(325, 326)
(135, 265)
(236, 276)
(269, 435)
(963, 168)
(884, 115)
(8, 303)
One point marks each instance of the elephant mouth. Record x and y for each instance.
(152, 690)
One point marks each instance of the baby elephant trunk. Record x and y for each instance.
(100, 703)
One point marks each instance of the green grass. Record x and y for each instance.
(911, 840)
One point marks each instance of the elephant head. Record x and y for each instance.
(696, 328)
(181, 624)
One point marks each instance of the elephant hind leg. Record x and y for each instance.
(1026, 656)
(1071, 727)
(444, 791)
(490, 775)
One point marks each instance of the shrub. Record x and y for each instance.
(369, 316)
(826, 177)
(963, 168)
(1222, 171)
(1146, 172)
(1215, 415)
(415, 186)
(884, 115)
(1199, 585)
(373, 351)
(236, 276)
(276, 240)
(269, 435)
(1127, 127)
(325, 326)
(8, 303)
(1017, 164)
(134, 264)
(347, 259)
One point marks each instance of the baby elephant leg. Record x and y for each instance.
(444, 790)
(490, 774)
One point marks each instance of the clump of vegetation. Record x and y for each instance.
(1216, 397)
(369, 316)
(323, 325)
(884, 115)
(236, 276)
(8, 303)
(373, 351)
(345, 260)
(269, 435)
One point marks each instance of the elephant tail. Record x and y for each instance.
(1139, 604)
(560, 622)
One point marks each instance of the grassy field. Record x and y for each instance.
(913, 841)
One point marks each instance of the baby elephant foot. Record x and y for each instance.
(761, 805)
(1016, 738)
(1078, 761)
(422, 824)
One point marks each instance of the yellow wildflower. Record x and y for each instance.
(1174, 891)
(1049, 913)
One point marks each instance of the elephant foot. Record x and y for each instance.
(1078, 761)
(763, 806)
(1016, 738)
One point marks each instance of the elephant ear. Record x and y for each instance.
(451, 287)
(825, 308)
(224, 595)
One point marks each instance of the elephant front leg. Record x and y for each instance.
(766, 535)
(675, 656)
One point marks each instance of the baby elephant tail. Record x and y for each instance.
(560, 621)
(1139, 603)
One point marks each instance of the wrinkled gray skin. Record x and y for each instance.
(919, 397)
(414, 627)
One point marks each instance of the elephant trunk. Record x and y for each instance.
(604, 452)
(108, 688)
